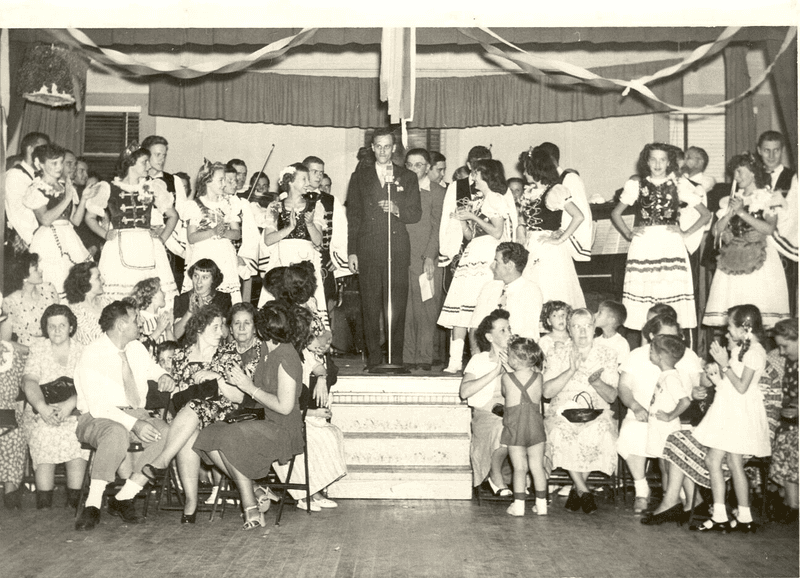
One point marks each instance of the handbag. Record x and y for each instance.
(245, 414)
(582, 414)
(203, 391)
(56, 391)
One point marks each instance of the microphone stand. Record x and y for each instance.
(389, 368)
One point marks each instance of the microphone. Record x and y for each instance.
(388, 174)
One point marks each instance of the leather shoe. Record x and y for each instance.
(124, 509)
(424, 366)
(573, 502)
(189, 518)
(587, 503)
(152, 473)
(90, 517)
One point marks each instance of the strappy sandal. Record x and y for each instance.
(265, 496)
(152, 473)
(251, 522)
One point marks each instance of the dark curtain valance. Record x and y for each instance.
(347, 102)
(121, 37)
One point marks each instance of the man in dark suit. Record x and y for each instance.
(368, 209)
(770, 149)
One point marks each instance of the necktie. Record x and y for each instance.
(502, 301)
(131, 391)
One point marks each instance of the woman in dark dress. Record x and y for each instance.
(245, 451)
(206, 277)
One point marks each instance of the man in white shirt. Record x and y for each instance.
(20, 218)
(694, 165)
(509, 290)
(111, 379)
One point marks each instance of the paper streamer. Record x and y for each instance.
(539, 67)
(115, 58)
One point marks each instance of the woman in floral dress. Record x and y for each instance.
(657, 269)
(86, 296)
(749, 268)
(204, 357)
(12, 443)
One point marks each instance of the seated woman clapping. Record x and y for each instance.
(49, 424)
(245, 451)
(205, 357)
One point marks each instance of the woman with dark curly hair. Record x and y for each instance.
(28, 295)
(49, 427)
(486, 221)
(749, 268)
(204, 357)
(293, 231)
(155, 321)
(86, 296)
(206, 278)
(543, 203)
(212, 225)
(657, 269)
(134, 248)
(245, 451)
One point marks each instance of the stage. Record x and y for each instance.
(406, 436)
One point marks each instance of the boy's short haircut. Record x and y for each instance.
(164, 347)
(671, 345)
(527, 350)
(617, 309)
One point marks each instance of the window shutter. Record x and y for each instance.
(706, 131)
(106, 136)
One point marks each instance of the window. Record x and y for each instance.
(425, 138)
(108, 131)
(706, 131)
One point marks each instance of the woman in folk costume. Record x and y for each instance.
(293, 232)
(657, 269)
(749, 269)
(134, 248)
(212, 226)
(486, 221)
(542, 205)
(58, 211)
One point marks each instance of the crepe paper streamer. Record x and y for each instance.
(398, 75)
(137, 67)
(565, 73)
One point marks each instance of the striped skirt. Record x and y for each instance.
(658, 271)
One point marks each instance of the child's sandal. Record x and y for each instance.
(253, 520)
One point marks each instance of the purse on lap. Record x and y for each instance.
(245, 414)
(203, 391)
(56, 391)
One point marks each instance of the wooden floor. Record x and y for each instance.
(386, 539)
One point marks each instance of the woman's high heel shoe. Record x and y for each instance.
(189, 518)
(253, 518)
(749, 527)
(265, 496)
(674, 514)
(712, 526)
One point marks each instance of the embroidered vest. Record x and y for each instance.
(130, 210)
(300, 230)
(538, 217)
(657, 204)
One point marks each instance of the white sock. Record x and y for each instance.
(213, 497)
(719, 513)
(128, 491)
(541, 506)
(641, 487)
(456, 352)
(95, 497)
(743, 515)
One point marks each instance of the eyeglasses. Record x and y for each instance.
(416, 165)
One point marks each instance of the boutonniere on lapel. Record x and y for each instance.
(146, 193)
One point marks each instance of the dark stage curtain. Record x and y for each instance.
(784, 87)
(348, 102)
(740, 121)
(64, 125)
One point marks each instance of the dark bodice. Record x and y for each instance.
(54, 201)
(538, 217)
(300, 230)
(130, 210)
(657, 204)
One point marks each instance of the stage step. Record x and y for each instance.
(406, 437)
(404, 483)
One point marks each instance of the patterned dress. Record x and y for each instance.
(183, 370)
(12, 444)
(473, 270)
(581, 447)
(51, 444)
(784, 449)
(27, 314)
(747, 264)
(657, 269)
(59, 247)
(88, 321)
